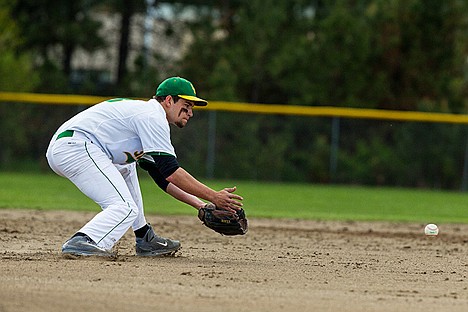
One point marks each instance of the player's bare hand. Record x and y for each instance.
(228, 200)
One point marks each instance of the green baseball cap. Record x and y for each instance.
(180, 87)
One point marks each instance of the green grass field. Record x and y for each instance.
(271, 200)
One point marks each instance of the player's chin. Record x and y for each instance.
(181, 123)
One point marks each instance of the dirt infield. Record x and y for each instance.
(278, 266)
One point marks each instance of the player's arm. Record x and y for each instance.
(150, 166)
(171, 171)
(185, 197)
(225, 198)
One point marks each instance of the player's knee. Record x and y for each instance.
(128, 209)
(132, 209)
(127, 171)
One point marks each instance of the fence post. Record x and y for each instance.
(464, 184)
(211, 146)
(334, 146)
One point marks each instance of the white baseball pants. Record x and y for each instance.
(113, 187)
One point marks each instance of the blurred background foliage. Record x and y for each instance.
(384, 54)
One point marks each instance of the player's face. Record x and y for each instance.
(183, 110)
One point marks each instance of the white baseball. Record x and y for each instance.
(431, 230)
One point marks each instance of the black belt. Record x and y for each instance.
(65, 134)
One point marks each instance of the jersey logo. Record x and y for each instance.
(132, 158)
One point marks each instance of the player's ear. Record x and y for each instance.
(168, 101)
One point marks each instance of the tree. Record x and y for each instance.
(367, 53)
(53, 30)
(420, 49)
(126, 10)
(16, 74)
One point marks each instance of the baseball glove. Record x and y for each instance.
(223, 221)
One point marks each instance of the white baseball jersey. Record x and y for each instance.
(125, 129)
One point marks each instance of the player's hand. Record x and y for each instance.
(226, 199)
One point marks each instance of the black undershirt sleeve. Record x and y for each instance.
(159, 167)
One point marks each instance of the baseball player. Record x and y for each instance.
(98, 150)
